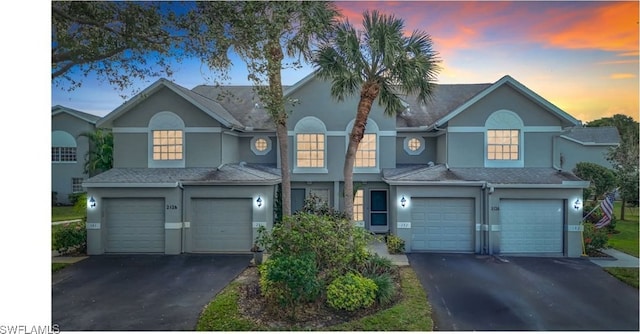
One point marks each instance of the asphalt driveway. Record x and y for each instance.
(472, 292)
(140, 292)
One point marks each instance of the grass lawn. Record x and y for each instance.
(627, 275)
(412, 313)
(58, 266)
(60, 213)
(627, 240)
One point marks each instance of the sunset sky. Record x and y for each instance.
(581, 56)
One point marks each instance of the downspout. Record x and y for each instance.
(183, 235)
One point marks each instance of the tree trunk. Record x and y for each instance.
(370, 91)
(622, 209)
(279, 116)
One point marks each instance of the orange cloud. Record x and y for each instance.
(622, 76)
(610, 27)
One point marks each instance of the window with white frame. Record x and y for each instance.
(358, 206)
(503, 144)
(504, 140)
(414, 145)
(366, 156)
(310, 149)
(63, 147)
(260, 145)
(167, 144)
(166, 140)
(310, 145)
(76, 184)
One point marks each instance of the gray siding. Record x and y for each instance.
(130, 150)
(202, 149)
(247, 155)
(574, 153)
(63, 173)
(466, 149)
(429, 153)
(230, 148)
(537, 149)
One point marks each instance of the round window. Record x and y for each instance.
(261, 144)
(414, 144)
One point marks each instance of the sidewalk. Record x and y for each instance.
(380, 248)
(618, 259)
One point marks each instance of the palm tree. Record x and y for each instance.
(100, 155)
(379, 61)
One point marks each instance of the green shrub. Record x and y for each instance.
(70, 237)
(337, 244)
(594, 238)
(386, 290)
(54, 198)
(80, 204)
(75, 197)
(290, 280)
(376, 265)
(351, 292)
(395, 245)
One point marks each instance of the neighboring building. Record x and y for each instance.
(482, 168)
(68, 150)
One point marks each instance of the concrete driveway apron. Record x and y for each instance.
(474, 292)
(140, 292)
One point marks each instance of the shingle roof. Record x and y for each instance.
(593, 135)
(229, 173)
(440, 173)
(82, 115)
(211, 105)
(445, 99)
(240, 101)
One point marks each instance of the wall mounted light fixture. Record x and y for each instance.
(403, 201)
(259, 202)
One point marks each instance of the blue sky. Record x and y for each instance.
(581, 56)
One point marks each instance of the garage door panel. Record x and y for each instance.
(442, 224)
(531, 226)
(135, 225)
(221, 225)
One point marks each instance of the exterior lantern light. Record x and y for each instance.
(259, 202)
(92, 202)
(577, 204)
(403, 201)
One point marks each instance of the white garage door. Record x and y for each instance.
(442, 224)
(134, 225)
(221, 225)
(531, 226)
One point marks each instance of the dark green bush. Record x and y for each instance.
(54, 198)
(395, 245)
(594, 238)
(386, 290)
(338, 245)
(351, 292)
(70, 237)
(290, 280)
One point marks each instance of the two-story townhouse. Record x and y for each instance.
(68, 150)
(478, 169)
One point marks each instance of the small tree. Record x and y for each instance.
(100, 155)
(602, 179)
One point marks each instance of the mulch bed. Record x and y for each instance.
(599, 254)
(316, 315)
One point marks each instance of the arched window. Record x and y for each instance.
(166, 140)
(63, 147)
(503, 140)
(310, 154)
(367, 157)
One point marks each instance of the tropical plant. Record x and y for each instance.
(261, 33)
(381, 61)
(395, 245)
(100, 155)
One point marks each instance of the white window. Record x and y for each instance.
(76, 184)
(167, 145)
(166, 140)
(358, 206)
(503, 144)
(310, 153)
(504, 140)
(414, 145)
(366, 156)
(310, 149)
(63, 147)
(260, 145)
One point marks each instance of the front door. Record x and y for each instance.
(379, 211)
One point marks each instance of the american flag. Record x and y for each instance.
(607, 209)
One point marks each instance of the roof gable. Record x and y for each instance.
(208, 106)
(89, 118)
(508, 80)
